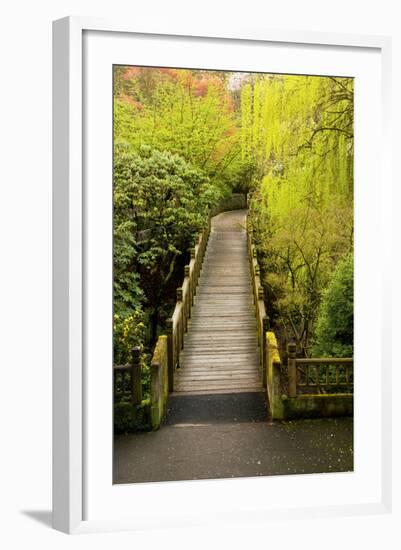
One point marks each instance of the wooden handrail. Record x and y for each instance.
(324, 360)
(177, 325)
(262, 319)
(318, 373)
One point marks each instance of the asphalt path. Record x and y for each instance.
(229, 435)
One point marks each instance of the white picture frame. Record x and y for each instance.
(70, 418)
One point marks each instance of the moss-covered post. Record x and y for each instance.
(136, 383)
(170, 354)
(292, 369)
(265, 329)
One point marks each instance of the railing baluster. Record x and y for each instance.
(292, 369)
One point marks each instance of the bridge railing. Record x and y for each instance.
(178, 323)
(311, 387)
(127, 380)
(318, 374)
(262, 320)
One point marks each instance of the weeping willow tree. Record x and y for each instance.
(300, 131)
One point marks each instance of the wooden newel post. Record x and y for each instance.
(257, 270)
(292, 369)
(179, 294)
(170, 354)
(265, 351)
(261, 294)
(136, 382)
(186, 270)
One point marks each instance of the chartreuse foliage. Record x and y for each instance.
(301, 130)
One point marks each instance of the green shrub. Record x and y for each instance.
(335, 324)
(160, 204)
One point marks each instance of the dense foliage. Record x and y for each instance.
(335, 323)
(160, 204)
(185, 138)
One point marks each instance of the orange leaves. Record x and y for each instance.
(201, 88)
(131, 72)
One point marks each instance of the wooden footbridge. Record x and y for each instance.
(220, 349)
(218, 340)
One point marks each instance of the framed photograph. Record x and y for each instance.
(220, 284)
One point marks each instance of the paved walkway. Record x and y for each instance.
(223, 436)
(220, 348)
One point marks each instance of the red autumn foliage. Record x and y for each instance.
(131, 72)
(196, 83)
(201, 88)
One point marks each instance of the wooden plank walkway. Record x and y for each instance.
(221, 352)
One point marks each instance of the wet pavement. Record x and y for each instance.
(224, 436)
